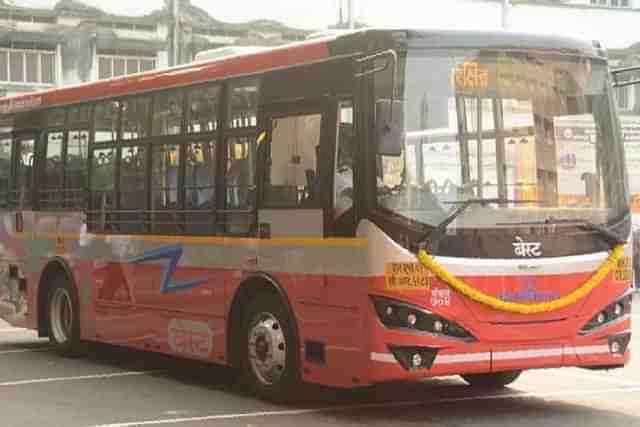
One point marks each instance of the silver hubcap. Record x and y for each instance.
(267, 348)
(61, 315)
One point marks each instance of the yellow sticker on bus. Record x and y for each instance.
(407, 276)
(622, 272)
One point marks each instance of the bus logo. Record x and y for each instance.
(528, 293)
(527, 249)
(171, 256)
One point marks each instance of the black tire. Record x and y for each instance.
(262, 309)
(491, 380)
(63, 316)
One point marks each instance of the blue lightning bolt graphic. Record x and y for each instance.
(172, 255)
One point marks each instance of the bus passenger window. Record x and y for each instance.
(293, 179)
(106, 121)
(203, 109)
(164, 173)
(102, 189)
(343, 198)
(167, 113)
(135, 118)
(243, 104)
(240, 184)
(76, 168)
(23, 182)
(5, 168)
(200, 200)
(51, 196)
(132, 192)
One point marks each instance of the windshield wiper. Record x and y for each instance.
(603, 232)
(431, 239)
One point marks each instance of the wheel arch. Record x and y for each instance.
(55, 267)
(259, 282)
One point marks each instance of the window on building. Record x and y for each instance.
(27, 66)
(204, 103)
(167, 113)
(119, 65)
(243, 104)
(625, 97)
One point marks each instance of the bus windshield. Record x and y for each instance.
(507, 125)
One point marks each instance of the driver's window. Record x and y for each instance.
(292, 175)
(344, 160)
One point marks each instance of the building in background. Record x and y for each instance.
(73, 42)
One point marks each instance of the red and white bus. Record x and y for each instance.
(354, 209)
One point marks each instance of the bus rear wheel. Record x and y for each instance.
(268, 349)
(491, 380)
(64, 317)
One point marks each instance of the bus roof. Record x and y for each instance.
(316, 49)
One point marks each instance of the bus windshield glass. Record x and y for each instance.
(533, 129)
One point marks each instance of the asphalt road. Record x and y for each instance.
(117, 387)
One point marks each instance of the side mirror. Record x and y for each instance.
(389, 127)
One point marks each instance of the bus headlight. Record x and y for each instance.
(399, 315)
(618, 310)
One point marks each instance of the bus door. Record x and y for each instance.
(296, 147)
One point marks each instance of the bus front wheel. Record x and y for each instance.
(491, 380)
(269, 363)
(64, 317)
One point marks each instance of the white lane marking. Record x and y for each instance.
(14, 330)
(76, 378)
(25, 350)
(597, 377)
(343, 408)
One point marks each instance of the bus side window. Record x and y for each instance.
(5, 168)
(165, 170)
(240, 184)
(51, 196)
(343, 187)
(76, 168)
(102, 189)
(133, 189)
(200, 185)
(23, 179)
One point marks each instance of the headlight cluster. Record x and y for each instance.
(611, 313)
(395, 314)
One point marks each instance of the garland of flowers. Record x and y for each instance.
(465, 289)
